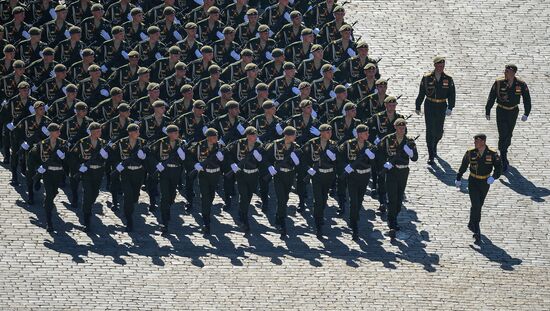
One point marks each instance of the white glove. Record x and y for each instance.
(164, 130)
(408, 151)
(458, 183)
(235, 55)
(32, 110)
(177, 35)
(268, 55)
(294, 158)
(351, 52)
(129, 17)
(221, 142)
(287, 16)
(316, 31)
(198, 167)
(240, 128)
(46, 107)
(160, 167)
(199, 2)
(377, 140)
(181, 153)
(141, 154)
(220, 35)
(104, 68)
(104, 92)
(448, 112)
(177, 21)
(279, 129)
(41, 170)
(348, 169)
(158, 56)
(295, 90)
(388, 166)
(103, 153)
(257, 156)
(369, 153)
(219, 155)
(332, 94)
(143, 36)
(490, 180)
(83, 168)
(105, 35)
(52, 13)
(331, 155)
(4, 103)
(64, 89)
(26, 34)
(311, 171)
(52, 73)
(120, 167)
(234, 167)
(34, 88)
(313, 130)
(354, 133)
(524, 118)
(204, 129)
(272, 170)
(67, 34)
(417, 112)
(10, 126)
(488, 117)
(45, 131)
(25, 145)
(124, 54)
(60, 154)
(198, 54)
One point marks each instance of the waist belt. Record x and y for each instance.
(133, 168)
(212, 170)
(507, 107)
(326, 170)
(55, 168)
(401, 166)
(479, 176)
(437, 100)
(95, 167)
(286, 170)
(363, 171)
(252, 171)
(173, 165)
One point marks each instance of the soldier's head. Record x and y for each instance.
(480, 141)
(75, 33)
(39, 108)
(362, 132)
(350, 109)
(36, 34)
(215, 72)
(269, 107)
(439, 64)
(153, 90)
(169, 12)
(9, 52)
(133, 58)
(18, 14)
(159, 107)
(247, 56)
(289, 133)
(251, 134)
(211, 136)
(48, 55)
(307, 35)
(213, 13)
(327, 71)
(137, 15)
(71, 90)
(278, 56)
(187, 91)
(305, 89)
(326, 131)
(381, 85)
(24, 88)
(296, 18)
(339, 12)
(390, 103)
(341, 92)
(232, 108)
(118, 33)
(262, 90)
(123, 110)
(363, 48)
(229, 34)
(510, 71)
(181, 69)
(154, 33)
(19, 67)
(97, 10)
(345, 31)
(306, 107)
(252, 15)
(226, 92)
(81, 109)
(133, 131)
(88, 56)
(251, 70)
(172, 131)
(317, 51)
(198, 108)
(94, 71)
(144, 74)
(61, 12)
(116, 95)
(400, 126)
(289, 70)
(60, 71)
(191, 29)
(54, 130)
(207, 53)
(370, 70)
(263, 32)
(95, 130)
(174, 53)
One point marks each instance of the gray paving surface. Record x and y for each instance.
(433, 264)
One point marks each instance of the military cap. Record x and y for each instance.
(94, 126)
(190, 25)
(18, 64)
(17, 10)
(288, 65)
(512, 67)
(35, 31)
(303, 85)
(9, 48)
(117, 30)
(93, 68)
(263, 28)
(228, 29)
(338, 8)
(369, 66)
(153, 86)
(247, 52)
(159, 103)
(231, 104)
(268, 104)
(439, 59)
(152, 30)
(339, 89)
(207, 49)
(199, 104)
(143, 70)
(71, 88)
(225, 88)
(186, 88)
(87, 52)
(361, 128)
(277, 52)
(213, 10)
(59, 68)
(180, 66)
(289, 131)
(211, 132)
(74, 29)
(174, 50)
(325, 127)
(60, 7)
(23, 85)
(349, 106)
(214, 69)
(132, 127)
(52, 127)
(97, 7)
(262, 87)
(381, 81)
(400, 121)
(172, 128)
(116, 91)
(479, 136)
(345, 27)
(307, 31)
(123, 107)
(305, 103)
(316, 47)
(168, 11)
(80, 106)
(47, 51)
(295, 14)
(133, 54)
(252, 12)
(362, 44)
(250, 130)
(326, 67)
(390, 99)
(135, 11)
(250, 66)
(37, 104)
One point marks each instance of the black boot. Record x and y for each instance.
(87, 223)
(341, 207)
(152, 205)
(382, 208)
(74, 201)
(30, 199)
(227, 206)
(129, 223)
(164, 229)
(301, 207)
(14, 182)
(505, 163)
(319, 229)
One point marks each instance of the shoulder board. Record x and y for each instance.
(427, 74)
(500, 78)
(492, 150)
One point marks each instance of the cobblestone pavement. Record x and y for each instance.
(432, 265)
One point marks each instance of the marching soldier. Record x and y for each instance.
(108, 108)
(79, 70)
(165, 66)
(395, 152)
(301, 49)
(253, 106)
(46, 158)
(95, 29)
(244, 88)
(198, 69)
(112, 54)
(171, 87)
(344, 126)
(334, 107)
(339, 50)
(292, 31)
(374, 103)
(210, 29)
(41, 69)
(438, 89)
(291, 106)
(366, 86)
(169, 26)
(63, 108)
(9, 83)
(54, 88)
(247, 30)
(285, 86)
(189, 46)
(262, 46)
(119, 11)
(234, 13)
(38, 12)
(310, 68)
(273, 68)
(330, 31)
(16, 29)
(210, 86)
(237, 70)
(352, 69)
(182, 105)
(323, 88)
(135, 28)
(57, 30)
(151, 49)
(482, 161)
(319, 155)
(148, 93)
(29, 50)
(276, 15)
(507, 91)
(321, 13)
(78, 11)
(6, 63)
(93, 89)
(226, 50)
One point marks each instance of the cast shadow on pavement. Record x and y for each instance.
(496, 254)
(521, 185)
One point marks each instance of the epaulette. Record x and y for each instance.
(492, 150)
(429, 73)
(501, 79)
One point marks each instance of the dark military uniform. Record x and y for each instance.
(309, 70)
(291, 106)
(15, 109)
(50, 90)
(281, 89)
(123, 75)
(92, 93)
(39, 71)
(109, 54)
(29, 53)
